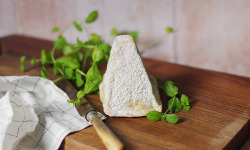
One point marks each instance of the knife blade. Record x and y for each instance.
(110, 140)
(68, 88)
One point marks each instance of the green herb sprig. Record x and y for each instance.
(174, 105)
(71, 65)
(114, 32)
(169, 30)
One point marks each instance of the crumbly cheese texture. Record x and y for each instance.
(126, 89)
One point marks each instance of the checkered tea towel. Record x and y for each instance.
(35, 114)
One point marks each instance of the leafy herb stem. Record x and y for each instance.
(170, 106)
(82, 73)
(76, 50)
(58, 79)
(65, 29)
(84, 61)
(68, 64)
(84, 27)
(153, 42)
(166, 111)
(52, 55)
(174, 105)
(60, 70)
(90, 46)
(54, 61)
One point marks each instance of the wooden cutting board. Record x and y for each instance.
(219, 118)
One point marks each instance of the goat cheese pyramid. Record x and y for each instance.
(126, 89)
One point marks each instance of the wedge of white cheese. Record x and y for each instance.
(126, 89)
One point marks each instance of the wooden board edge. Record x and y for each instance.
(240, 138)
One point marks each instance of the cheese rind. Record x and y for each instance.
(126, 89)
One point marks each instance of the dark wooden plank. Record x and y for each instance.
(219, 117)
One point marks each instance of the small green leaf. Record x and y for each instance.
(22, 67)
(80, 94)
(154, 115)
(70, 101)
(70, 62)
(92, 17)
(79, 80)
(69, 73)
(80, 44)
(185, 102)
(56, 69)
(95, 37)
(93, 79)
(114, 32)
(78, 55)
(172, 118)
(33, 61)
(77, 26)
(22, 63)
(170, 89)
(74, 104)
(134, 34)
(22, 59)
(60, 42)
(98, 55)
(163, 117)
(55, 29)
(174, 105)
(79, 102)
(44, 73)
(67, 50)
(106, 47)
(46, 57)
(90, 44)
(89, 53)
(187, 108)
(169, 30)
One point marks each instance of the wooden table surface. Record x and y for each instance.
(219, 118)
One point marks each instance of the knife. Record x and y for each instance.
(109, 139)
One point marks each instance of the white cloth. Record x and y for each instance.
(35, 114)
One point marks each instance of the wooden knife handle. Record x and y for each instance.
(109, 139)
